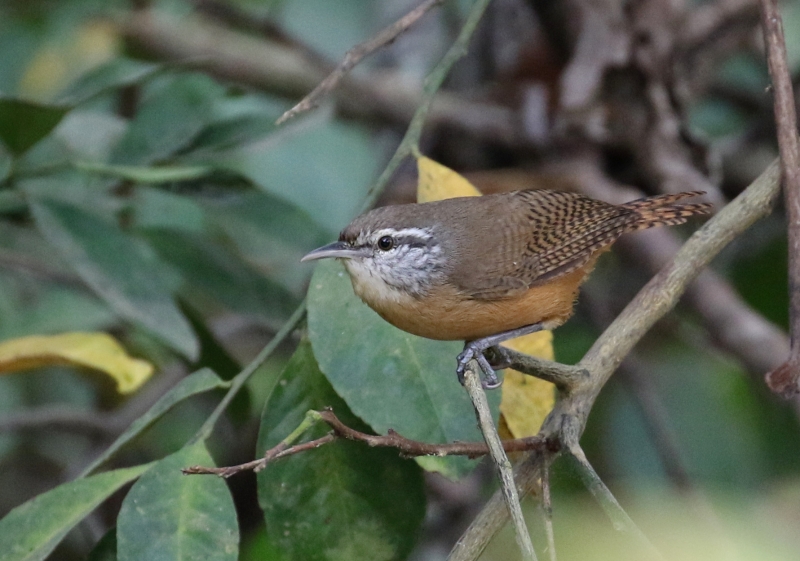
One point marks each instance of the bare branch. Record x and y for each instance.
(474, 387)
(385, 37)
(407, 447)
(785, 379)
(563, 376)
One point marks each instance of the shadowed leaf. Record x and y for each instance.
(31, 531)
(168, 516)
(344, 500)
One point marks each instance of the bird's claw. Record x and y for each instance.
(472, 351)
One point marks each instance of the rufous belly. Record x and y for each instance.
(445, 314)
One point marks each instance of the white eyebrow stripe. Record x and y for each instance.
(422, 233)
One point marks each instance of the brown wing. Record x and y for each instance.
(539, 235)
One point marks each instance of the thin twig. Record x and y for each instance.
(619, 518)
(785, 379)
(385, 37)
(407, 447)
(472, 383)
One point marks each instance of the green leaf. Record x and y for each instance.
(222, 275)
(115, 74)
(167, 120)
(119, 269)
(168, 516)
(106, 548)
(24, 123)
(324, 170)
(32, 530)
(153, 208)
(342, 501)
(199, 382)
(389, 378)
(146, 174)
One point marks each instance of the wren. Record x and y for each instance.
(491, 268)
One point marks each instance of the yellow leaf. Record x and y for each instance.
(526, 400)
(97, 351)
(437, 182)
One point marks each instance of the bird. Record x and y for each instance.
(488, 269)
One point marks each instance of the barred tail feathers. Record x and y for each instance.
(662, 210)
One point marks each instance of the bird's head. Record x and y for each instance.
(389, 246)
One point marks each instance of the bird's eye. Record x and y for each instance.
(385, 243)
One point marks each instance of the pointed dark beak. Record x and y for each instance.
(338, 250)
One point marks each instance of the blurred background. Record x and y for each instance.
(182, 212)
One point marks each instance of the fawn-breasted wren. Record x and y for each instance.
(488, 269)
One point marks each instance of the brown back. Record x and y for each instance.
(532, 237)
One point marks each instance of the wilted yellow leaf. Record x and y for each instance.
(98, 351)
(437, 182)
(526, 400)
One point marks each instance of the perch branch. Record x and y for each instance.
(563, 376)
(385, 37)
(407, 447)
(784, 379)
(472, 383)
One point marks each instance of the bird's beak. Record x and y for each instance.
(338, 250)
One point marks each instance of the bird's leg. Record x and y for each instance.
(474, 350)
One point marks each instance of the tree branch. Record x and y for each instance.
(785, 379)
(563, 376)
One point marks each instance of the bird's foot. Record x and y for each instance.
(473, 350)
